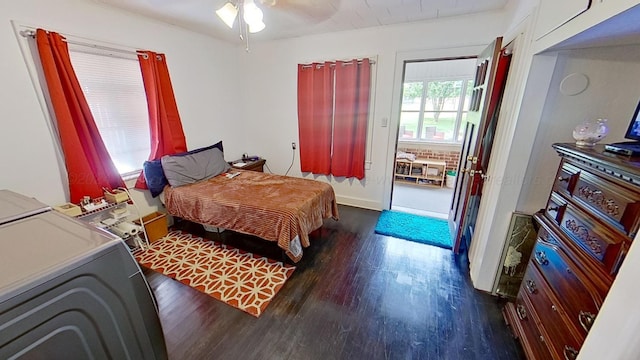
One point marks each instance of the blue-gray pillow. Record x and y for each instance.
(187, 169)
(154, 174)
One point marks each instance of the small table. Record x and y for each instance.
(257, 165)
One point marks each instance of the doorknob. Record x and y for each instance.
(473, 173)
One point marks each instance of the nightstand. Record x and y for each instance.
(257, 165)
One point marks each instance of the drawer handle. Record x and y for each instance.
(531, 286)
(554, 208)
(570, 353)
(541, 258)
(586, 320)
(522, 312)
(561, 179)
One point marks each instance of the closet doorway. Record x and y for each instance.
(435, 100)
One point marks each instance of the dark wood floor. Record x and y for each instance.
(354, 295)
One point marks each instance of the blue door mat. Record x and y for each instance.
(416, 228)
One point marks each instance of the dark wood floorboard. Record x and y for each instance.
(354, 295)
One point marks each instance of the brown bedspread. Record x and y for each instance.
(273, 207)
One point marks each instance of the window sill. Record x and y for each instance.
(433, 146)
(131, 175)
(425, 142)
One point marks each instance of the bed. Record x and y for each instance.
(277, 208)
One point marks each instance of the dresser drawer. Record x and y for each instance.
(601, 243)
(566, 178)
(532, 341)
(554, 328)
(613, 203)
(580, 298)
(555, 208)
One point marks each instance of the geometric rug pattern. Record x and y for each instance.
(416, 228)
(241, 279)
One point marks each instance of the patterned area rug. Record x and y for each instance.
(238, 278)
(416, 228)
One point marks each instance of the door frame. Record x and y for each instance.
(521, 118)
(394, 119)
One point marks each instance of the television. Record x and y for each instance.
(633, 132)
(629, 148)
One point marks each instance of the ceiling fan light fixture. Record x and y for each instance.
(251, 13)
(228, 14)
(249, 17)
(256, 27)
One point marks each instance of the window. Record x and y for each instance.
(435, 100)
(115, 92)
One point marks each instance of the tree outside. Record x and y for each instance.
(441, 92)
(412, 91)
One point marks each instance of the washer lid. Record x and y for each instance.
(38, 248)
(14, 206)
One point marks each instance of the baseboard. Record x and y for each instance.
(358, 202)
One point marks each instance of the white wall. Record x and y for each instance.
(612, 93)
(203, 71)
(271, 78)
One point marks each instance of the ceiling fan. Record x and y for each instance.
(250, 16)
(310, 10)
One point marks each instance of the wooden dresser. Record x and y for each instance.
(584, 233)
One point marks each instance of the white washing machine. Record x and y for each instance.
(69, 290)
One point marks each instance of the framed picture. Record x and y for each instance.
(521, 238)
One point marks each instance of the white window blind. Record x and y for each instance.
(114, 90)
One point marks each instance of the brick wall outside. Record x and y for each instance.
(451, 157)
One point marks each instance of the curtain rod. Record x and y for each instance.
(32, 34)
(333, 63)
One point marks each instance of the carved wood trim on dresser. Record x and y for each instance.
(585, 231)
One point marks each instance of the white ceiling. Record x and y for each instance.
(292, 18)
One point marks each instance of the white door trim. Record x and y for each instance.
(394, 121)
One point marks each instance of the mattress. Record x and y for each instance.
(273, 207)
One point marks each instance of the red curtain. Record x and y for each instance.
(350, 120)
(167, 135)
(315, 113)
(89, 166)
